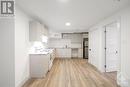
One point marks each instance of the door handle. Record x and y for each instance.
(116, 52)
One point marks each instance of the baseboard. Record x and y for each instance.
(25, 81)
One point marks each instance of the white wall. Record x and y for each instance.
(125, 44)
(124, 16)
(7, 52)
(14, 43)
(21, 48)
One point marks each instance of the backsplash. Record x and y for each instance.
(37, 47)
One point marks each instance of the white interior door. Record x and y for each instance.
(90, 47)
(94, 46)
(112, 47)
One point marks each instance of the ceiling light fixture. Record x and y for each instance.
(68, 24)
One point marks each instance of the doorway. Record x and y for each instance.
(112, 47)
(85, 48)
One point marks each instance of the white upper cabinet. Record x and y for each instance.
(36, 31)
(44, 30)
(55, 35)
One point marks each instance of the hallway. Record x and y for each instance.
(73, 73)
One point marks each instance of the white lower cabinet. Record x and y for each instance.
(63, 52)
(40, 64)
(68, 52)
(80, 53)
(77, 52)
(52, 57)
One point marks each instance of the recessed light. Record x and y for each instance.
(68, 24)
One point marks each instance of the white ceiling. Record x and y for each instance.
(82, 14)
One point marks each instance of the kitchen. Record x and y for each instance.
(65, 43)
(58, 45)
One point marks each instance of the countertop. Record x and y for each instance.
(66, 48)
(41, 52)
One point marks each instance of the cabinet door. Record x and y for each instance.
(35, 31)
(68, 53)
(39, 65)
(55, 35)
(63, 53)
(80, 53)
(59, 53)
(44, 30)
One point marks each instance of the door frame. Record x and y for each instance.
(105, 53)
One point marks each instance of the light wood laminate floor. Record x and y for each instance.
(73, 73)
